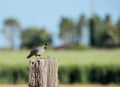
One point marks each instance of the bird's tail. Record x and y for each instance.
(29, 56)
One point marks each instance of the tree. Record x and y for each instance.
(99, 31)
(33, 37)
(111, 33)
(12, 31)
(81, 23)
(96, 30)
(67, 31)
(118, 31)
(82, 31)
(92, 28)
(116, 37)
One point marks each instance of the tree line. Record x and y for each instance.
(99, 32)
(94, 31)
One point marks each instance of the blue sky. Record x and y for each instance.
(47, 13)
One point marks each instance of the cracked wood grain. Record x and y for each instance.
(43, 73)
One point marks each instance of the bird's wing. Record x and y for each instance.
(34, 51)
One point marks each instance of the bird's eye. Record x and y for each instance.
(45, 43)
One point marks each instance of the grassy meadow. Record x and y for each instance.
(66, 57)
(75, 66)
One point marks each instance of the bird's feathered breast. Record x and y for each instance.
(41, 50)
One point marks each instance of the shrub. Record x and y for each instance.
(14, 75)
(104, 74)
(90, 74)
(67, 74)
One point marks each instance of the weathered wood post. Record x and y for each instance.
(43, 73)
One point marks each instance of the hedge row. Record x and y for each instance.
(67, 74)
(14, 75)
(90, 74)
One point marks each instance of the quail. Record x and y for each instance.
(38, 51)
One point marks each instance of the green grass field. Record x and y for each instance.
(85, 57)
(104, 64)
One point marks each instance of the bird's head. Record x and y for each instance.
(45, 44)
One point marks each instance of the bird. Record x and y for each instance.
(37, 51)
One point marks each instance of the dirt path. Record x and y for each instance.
(66, 85)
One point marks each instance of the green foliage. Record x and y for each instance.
(109, 40)
(90, 74)
(11, 22)
(67, 74)
(67, 30)
(66, 25)
(81, 23)
(103, 33)
(98, 32)
(14, 75)
(32, 37)
(104, 74)
(118, 32)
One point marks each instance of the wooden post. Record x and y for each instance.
(43, 73)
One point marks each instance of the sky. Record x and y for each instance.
(48, 13)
